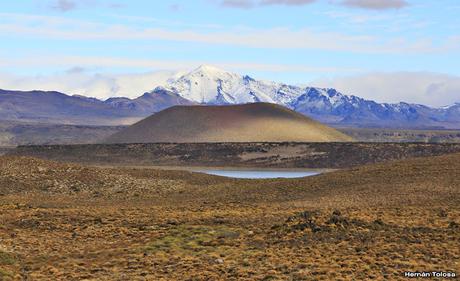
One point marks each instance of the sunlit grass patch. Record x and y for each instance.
(6, 258)
(196, 239)
(5, 275)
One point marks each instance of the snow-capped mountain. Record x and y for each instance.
(210, 85)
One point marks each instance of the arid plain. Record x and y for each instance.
(131, 207)
(72, 222)
(232, 140)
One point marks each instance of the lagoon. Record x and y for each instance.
(259, 174)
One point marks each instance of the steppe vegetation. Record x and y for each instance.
(72, 222)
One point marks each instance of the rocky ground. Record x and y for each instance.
(72, 222)
(264, 155)
(401, 135)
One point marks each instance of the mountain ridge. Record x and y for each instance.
(326, 105)
(213, 86)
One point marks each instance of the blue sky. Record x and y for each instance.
(323, 42)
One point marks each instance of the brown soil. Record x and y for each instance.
(71, 222)
(256, 122)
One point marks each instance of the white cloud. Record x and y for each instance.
(82, 62)
(63, 5)
(248, 4)
(240, 4)
(287, 2)
(415, 87)
(375, 4)
(70, 5)
(78, 79)
(432, 89)
(101, 86)
(363, 4)
(277, 38)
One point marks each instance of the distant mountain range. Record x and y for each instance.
(213, 86)
(59, 108)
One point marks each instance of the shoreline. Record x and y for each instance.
(198, 169)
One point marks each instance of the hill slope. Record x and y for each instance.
(59, 108)
(257, 122)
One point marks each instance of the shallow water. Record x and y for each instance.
(249, 174)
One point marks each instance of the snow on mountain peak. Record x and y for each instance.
(209, 70)
(211, 85)
(206, 84)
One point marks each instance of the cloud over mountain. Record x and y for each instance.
(213, 86)
(77, 81)
(434, 89)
